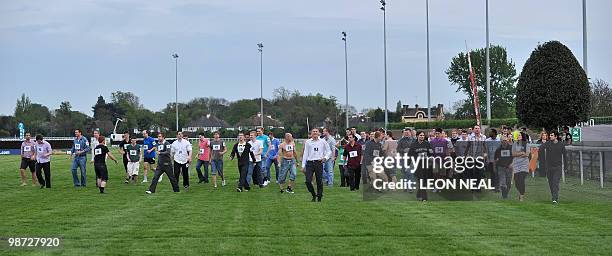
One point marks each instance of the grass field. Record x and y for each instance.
(207, 221)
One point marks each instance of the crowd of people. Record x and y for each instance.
(510, 155)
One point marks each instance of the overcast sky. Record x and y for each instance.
(76, 50)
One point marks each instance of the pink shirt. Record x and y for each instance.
(203, 151)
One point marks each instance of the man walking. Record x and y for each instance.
(217, 151)
(555, 159)
(28, 159)
(203, 158)
(148, 150)
(265, 141)
(79, 154)
(242, 149)
(181, 153)
(288, 164)
(329, 163)
(43, 161)
(316, 152)
(272, 156)
(353, 153)
(123, 150)
(164, 166)
(133, 152)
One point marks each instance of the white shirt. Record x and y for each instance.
(473, 137)
(315, 150)
(94, 144)
(180, 149)
(255, 146)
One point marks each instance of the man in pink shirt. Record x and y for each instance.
(203, 158)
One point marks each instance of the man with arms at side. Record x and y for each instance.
(288, 164)
(79, 154)
(28, 159)
(316, 152)
(217, 150)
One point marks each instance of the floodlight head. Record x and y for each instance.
(175, 56)
(260, 45)
(343, 33)
(383, 2)
(382, 8)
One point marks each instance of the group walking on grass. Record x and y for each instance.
(510, 156)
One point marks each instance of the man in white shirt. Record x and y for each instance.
(255, 170)
(94, 142)
(181, 153)
(316, 152)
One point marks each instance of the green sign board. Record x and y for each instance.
(576, 133)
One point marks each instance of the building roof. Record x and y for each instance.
(208, 121)
(255, 120)
(413, 112)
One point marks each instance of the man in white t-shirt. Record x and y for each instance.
(255, 171)
(181, 154)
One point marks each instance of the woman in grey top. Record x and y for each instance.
(520, 164)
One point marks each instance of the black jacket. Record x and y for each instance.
(243, 159)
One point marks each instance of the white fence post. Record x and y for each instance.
(581, 170)
(601, 170)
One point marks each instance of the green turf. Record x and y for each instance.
(207, 221)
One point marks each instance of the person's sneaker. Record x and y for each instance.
(282, 191)
(126, 181)
(554, 202)
(314, 199)
(290, 191)
(238, 190)
(144, 181)
(246, 190)
(223, 183)
(23, 184)
(276, 181)
(200, 181)
(265, 183)
(319, 198)
(42, 186)
(148, 192)
(215, 185)
(186, 188)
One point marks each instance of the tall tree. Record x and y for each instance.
(503, 78)
(601, 98)
(553, 89)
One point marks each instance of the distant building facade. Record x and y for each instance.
(419, 114)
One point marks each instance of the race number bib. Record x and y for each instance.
(39, 149)
(180, 152)
(439, 150)
(352, 153)
(125, 146)
(505, 153)
(240, 149)
(97, 151)
(146, 147)
(289, 148)
(201, 151)
(77, 146)
(132, 152)
(160, 147)
(272, 147)
(316, 149)
(363, 147)
(216, 147)
(422, 154)
(375, 152)
(27, 148)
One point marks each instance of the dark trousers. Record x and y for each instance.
(492, 174)
(161, 169)
(242, 181)
(519, 182)
(199, 165)
(475, 173)
(553, 175)
(181, 168)
(344, 176)
(46, 167)
(354, 176)
(364, 174)
(125, 162)
(316, 168)
(422, 174)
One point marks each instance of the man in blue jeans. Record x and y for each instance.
(272, 156)
(79, 154)
(328, 166)
(288, 164)
(265, 172)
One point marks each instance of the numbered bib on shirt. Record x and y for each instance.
(27, 148)
(272, 147)
(439, 150)
(202, 151)
(505, 153)
(316, 149)
(77, 146)
(180, 152)
(352, 153)
(160, 147)
(289, 148)
(39, 149)
(132, 152)
(240, 149)
(125, 146)
(97, 151)
(145, 147)
(375, 152)
(217, 147)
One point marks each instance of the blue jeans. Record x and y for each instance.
(80, 162)
(328, 171)
(202, 177)
(216, 166)
(407, 174)
(265, 172)
(287, 166)
(254, 167)
(269, 162)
